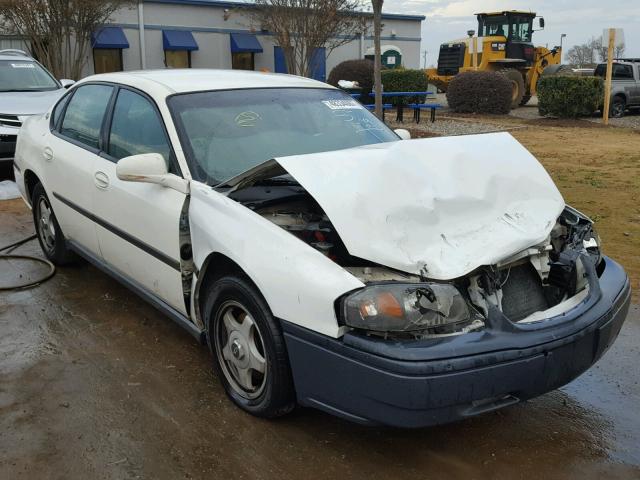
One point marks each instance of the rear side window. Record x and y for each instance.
(83, 119)
(136, 128)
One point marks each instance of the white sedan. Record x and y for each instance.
(324, 261)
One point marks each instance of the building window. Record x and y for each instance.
(242, 61)
(107, 60)
(177, 58)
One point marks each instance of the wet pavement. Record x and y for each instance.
(94, 383)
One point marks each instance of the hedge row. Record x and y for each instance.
(405, 80)
(569, 96)
(480, 92)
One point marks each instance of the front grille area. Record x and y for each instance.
(7, 146)
(451, 58)
(522, 293)
(10, 121)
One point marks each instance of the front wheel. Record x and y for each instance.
(49, 234)
(517, 85)
(249, 353)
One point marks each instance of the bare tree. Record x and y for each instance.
(59, 31)
(302, 26)
(603, 49)
(377, 61)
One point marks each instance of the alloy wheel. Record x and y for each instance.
(240, 350)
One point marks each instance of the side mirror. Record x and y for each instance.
(150, 168)
(66, 83)
(541, 22)
(403, 133)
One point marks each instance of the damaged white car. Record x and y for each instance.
(324, 261)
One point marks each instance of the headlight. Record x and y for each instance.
(405, 307)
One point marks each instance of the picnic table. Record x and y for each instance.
(417, 107)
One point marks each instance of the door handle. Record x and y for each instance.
(47, 153)
(101, 180)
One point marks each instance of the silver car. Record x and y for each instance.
(26, 88)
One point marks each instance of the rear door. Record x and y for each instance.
(70, 152)
(623, 77)
(139, 223)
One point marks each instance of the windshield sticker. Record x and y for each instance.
(23, 65)
(346, 104)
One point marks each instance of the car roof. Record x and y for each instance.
(11, 54)
(163, 83)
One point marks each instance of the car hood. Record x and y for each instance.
(439, 207)
(28, 103)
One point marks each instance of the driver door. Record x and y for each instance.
(139, 230)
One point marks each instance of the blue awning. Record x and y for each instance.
(109, 37)
(178, 40)
(245, 42)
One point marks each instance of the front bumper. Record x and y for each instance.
(428, 382)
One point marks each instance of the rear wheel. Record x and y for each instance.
(48, 231)
(618, 105)
(517, 85)
(248, 347)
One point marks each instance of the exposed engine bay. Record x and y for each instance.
(539, 282)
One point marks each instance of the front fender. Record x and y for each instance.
(299, 284)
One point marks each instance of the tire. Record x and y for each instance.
(48, 230)
(517, 82)
(525, 99)
(618, 106)
(242, 335)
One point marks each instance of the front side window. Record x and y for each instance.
(107, 60)
(521, 29)
(83, 118)
(25, 76)
(622, 72)
(225, 133)
(136, 128)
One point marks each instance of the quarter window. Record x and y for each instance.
(83, 119)
(136, 128)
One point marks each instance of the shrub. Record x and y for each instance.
(569, 96)
(480, 92)
(405, 80)
(360, 71)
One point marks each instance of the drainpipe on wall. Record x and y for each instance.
(143, 56)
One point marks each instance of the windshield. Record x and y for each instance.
(225, 133)
(24, 76)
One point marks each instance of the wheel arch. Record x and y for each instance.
(214, 267)
(30, 182)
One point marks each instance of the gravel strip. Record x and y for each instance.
(630, 120)
(448, 127)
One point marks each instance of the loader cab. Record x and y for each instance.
(516, 28)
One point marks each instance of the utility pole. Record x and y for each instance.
(562, 36)
(607, 86)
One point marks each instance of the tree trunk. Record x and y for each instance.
(377, 62)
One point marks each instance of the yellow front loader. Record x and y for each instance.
(503, 43)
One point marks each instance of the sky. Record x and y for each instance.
(578, 19)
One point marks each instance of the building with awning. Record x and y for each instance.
(220, 34)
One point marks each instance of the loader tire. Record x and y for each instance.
(517, 82)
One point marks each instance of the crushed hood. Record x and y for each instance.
(439, 206)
